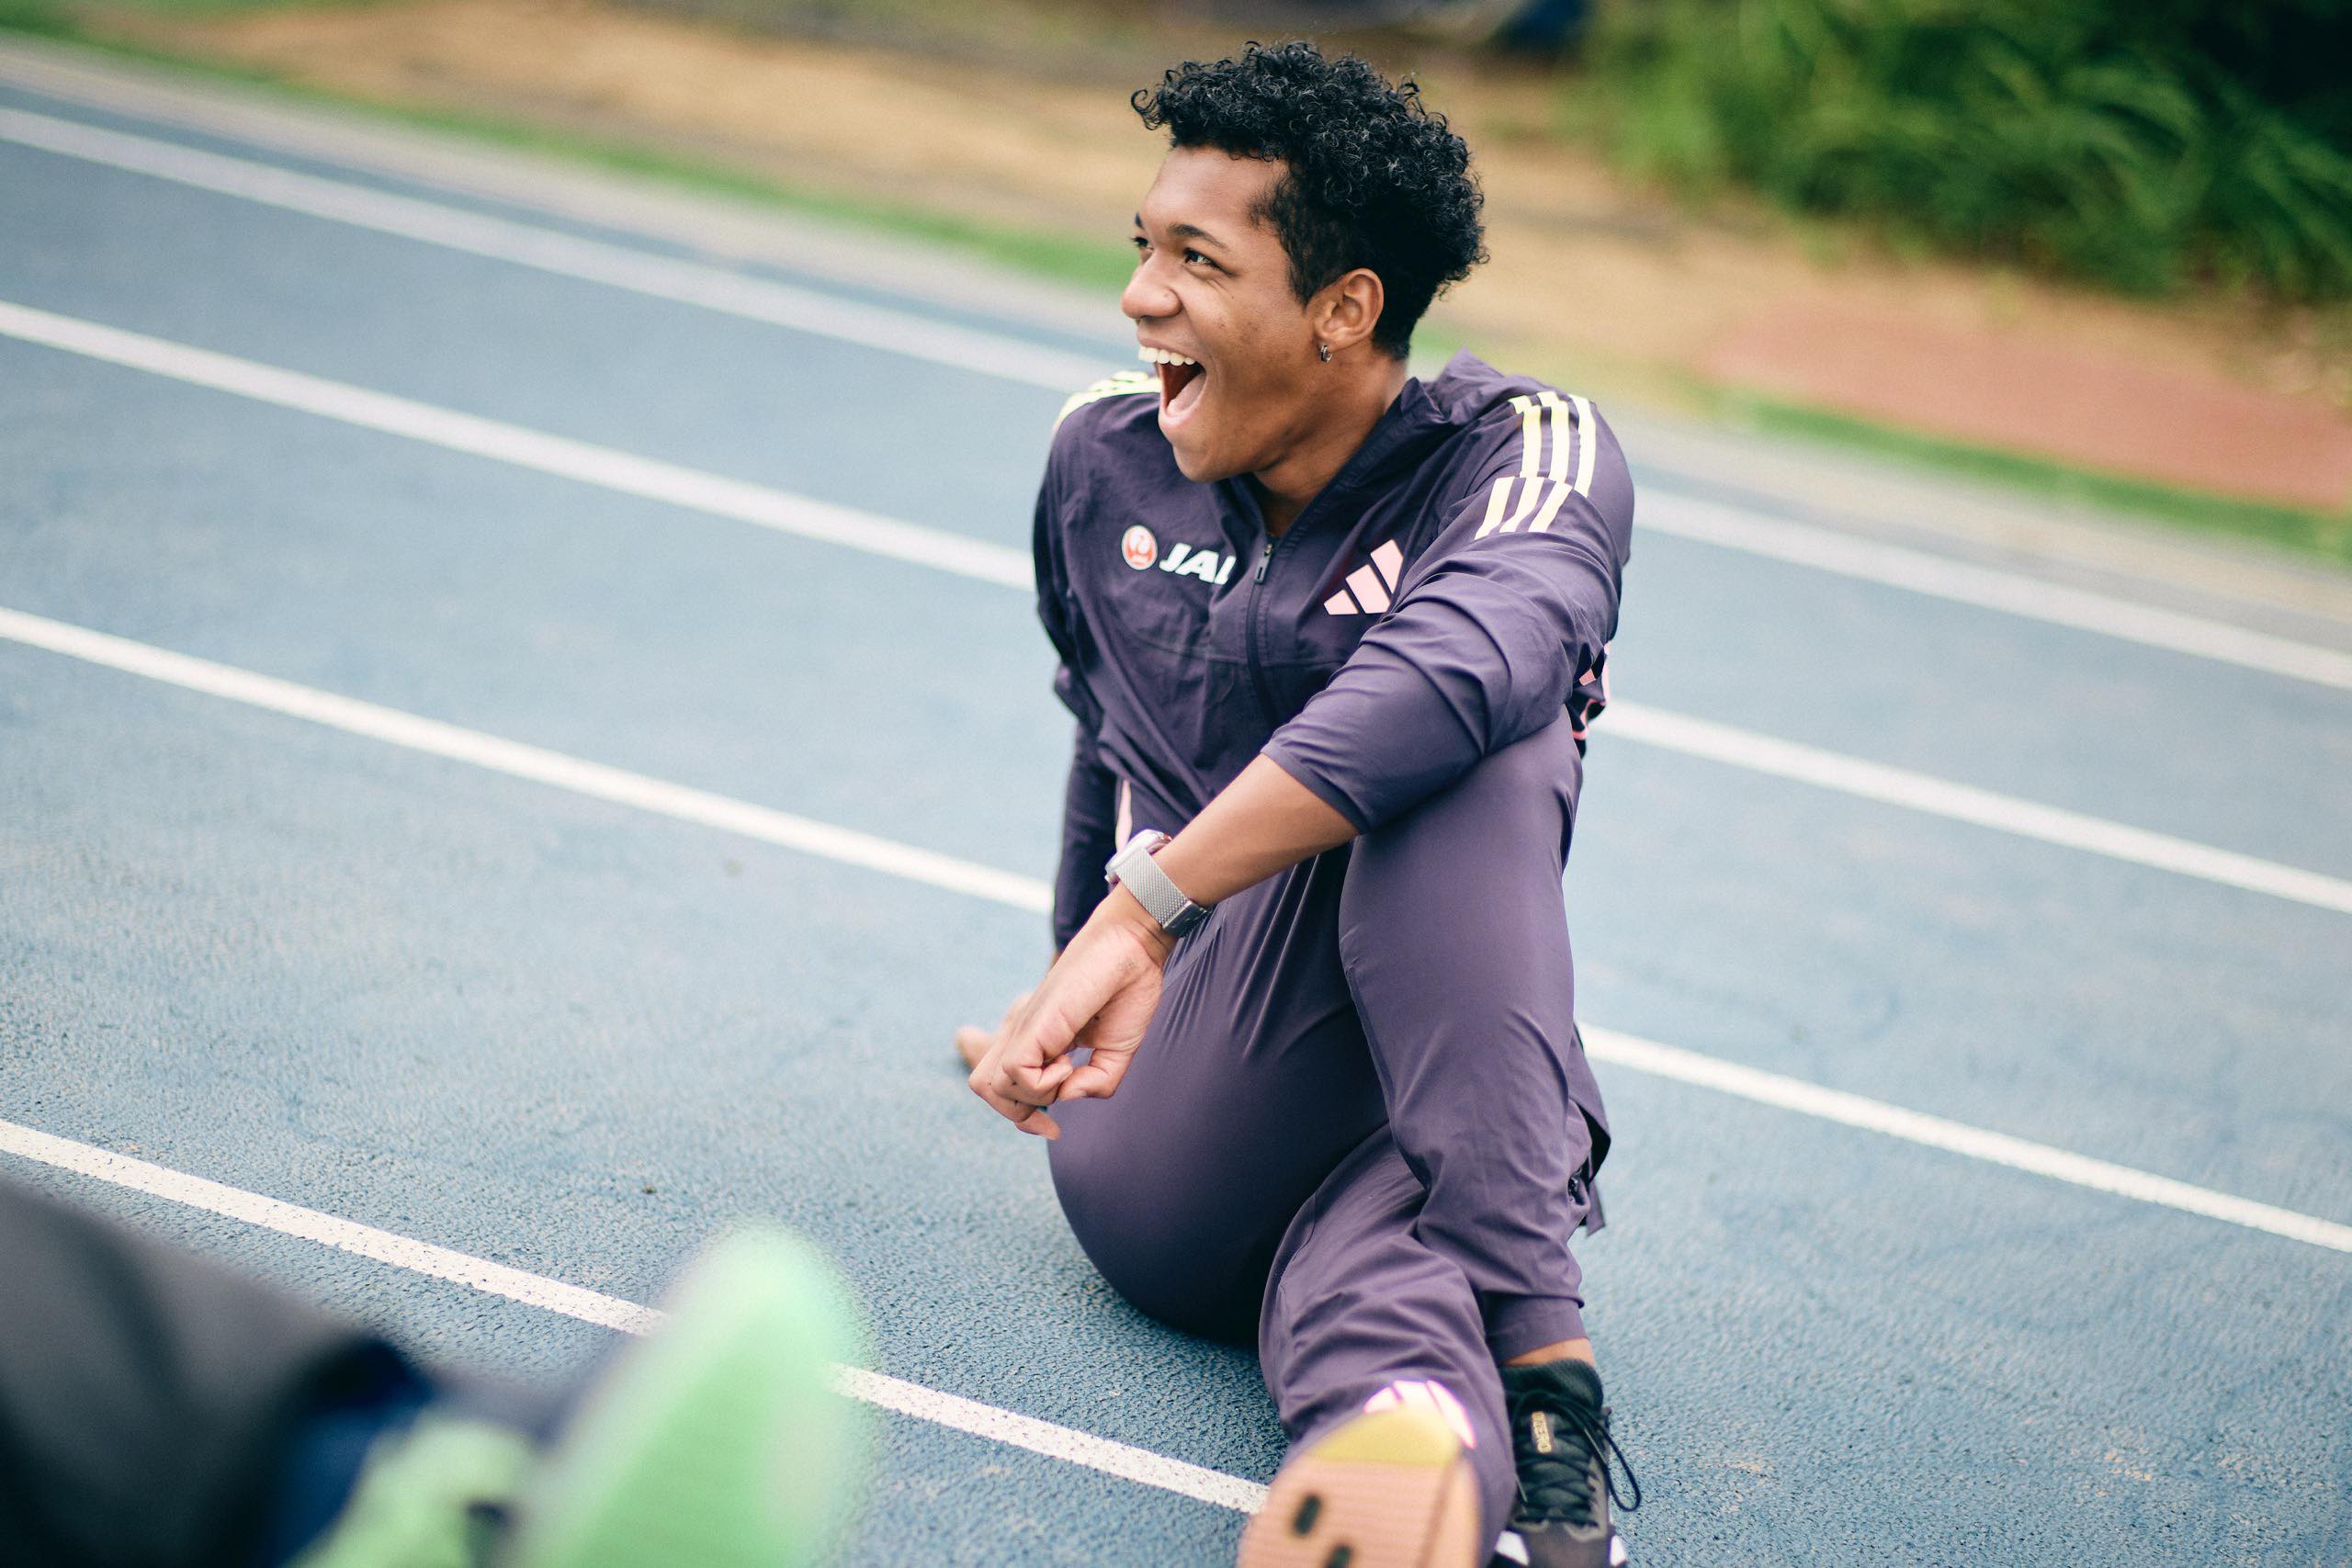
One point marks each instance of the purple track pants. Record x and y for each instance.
(1361, 1122)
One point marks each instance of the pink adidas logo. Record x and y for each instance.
(1369, 588)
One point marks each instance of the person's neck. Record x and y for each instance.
(1285, 487)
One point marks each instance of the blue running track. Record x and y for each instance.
(575, 1037)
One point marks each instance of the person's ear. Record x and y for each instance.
(1346, 309)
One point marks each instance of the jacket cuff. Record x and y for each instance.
(1325, 788)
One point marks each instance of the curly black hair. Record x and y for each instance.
(1370, 177)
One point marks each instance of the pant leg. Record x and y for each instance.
(1361, 1305)
(1455, 938)
(147, 1397)
(1251, 1083)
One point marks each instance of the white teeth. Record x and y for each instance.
(1150, 356)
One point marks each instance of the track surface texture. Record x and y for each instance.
(573, 1035)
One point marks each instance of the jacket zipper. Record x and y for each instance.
(1257, 672)
(1322, 502)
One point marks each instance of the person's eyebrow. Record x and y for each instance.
(1187, 232)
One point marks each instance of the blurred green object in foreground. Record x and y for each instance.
(719, 1441)
(2147, 144)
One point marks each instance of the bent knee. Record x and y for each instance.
(1545, 763)
(1174, 1250)
(1514, 809)
(1532, 782)
(1173, 1268)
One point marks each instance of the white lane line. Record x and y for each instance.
(601, 466)
(1012, 358)
(1825, 550)
(518, 760)
(1033, 896)
(568, 255)
(1957, 1137)
(1964, 803)
(355, 144)
(888, 537)
(1115, 1459)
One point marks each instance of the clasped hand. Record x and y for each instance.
(1100, 994)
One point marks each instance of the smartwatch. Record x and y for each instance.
(1133, 869)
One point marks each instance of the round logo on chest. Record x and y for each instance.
(1138, 547)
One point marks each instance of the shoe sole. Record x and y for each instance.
(1392, 1489)
(1511, 1548)
(718, 1442)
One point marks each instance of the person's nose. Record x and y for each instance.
(1146, 298)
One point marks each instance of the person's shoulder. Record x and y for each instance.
(1527, 450)
(1499, 414)
(1107, 440)
(1115, 409)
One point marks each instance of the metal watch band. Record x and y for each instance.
(1133, 869)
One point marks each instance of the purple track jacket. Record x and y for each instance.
(1453, 590)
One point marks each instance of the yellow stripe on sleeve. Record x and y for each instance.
(1563, 424)
(1124, 384)
(1531, 434)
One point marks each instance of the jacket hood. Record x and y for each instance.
(1427, 412)
(1468, 387)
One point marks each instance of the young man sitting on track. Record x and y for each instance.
(1338, 630)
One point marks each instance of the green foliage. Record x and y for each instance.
(2145, 143)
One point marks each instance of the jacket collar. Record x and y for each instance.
(1420, 416)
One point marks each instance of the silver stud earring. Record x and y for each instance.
(1323, 352)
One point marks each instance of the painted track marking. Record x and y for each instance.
(1115, 1459)
(1032, 896)
(1964, 803)
(566, 255)
(1013, 358)
(647, 478)
(515, 760)
(783, 512)
(1956, 1138)
(1917, 572)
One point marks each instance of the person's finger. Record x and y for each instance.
(1014, 1081)
(1031, 1119)
(1098, 1079)
(1028, 1118)
(972, 1044)
(1040, 1085)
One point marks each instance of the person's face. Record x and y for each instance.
(1212, 284)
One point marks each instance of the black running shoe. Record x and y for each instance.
(1560, 1443)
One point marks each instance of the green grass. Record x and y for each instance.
(1105, 264)
(2323, 534)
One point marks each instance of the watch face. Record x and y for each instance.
(1145, 840)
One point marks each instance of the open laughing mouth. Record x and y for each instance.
(1181, 381)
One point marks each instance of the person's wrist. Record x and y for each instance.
(1123, 910)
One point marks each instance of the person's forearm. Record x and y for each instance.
(1088, 812)
(1106, 985)
(1262, 822)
